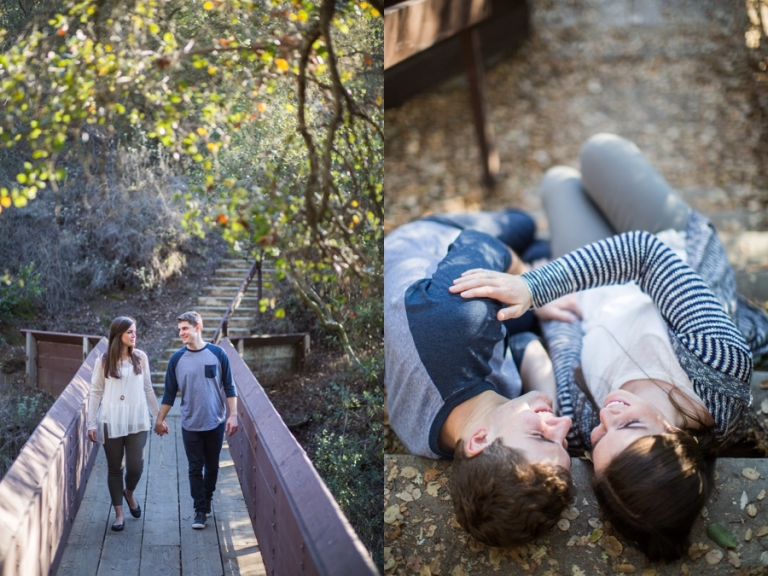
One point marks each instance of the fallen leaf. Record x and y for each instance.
(764, 558)
(752, 510)
(611, 546)
(392, 514)
(698, 550)
(596, 535)
(625, 568)
(750, 474)
(433, 488)
(416, 494)
(431, 531)
(392, 473)
(595, 523)
(414, 563)
(764, 384)
(649, 572)
(713, 556)
(744, 500)
(405, 496)
(734, 559)
(454, 523)
(389, 564)
(425, 571)
(494, 557)
(704, 512)
(563, 524)
(764, 406)
(458, 571)
(393, 533)
(409, 472)
(761, 495)
(434, 567)
(721, 535)
(684, 569)
(576, 571)
(570, 513)
(430, 475)
(762, 531)
(748, 535)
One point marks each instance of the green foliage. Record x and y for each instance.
(18, 295)
(350, 461)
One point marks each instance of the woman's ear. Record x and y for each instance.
(477, 442)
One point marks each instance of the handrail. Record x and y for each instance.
(298, 524)
(223, 330)
(41, 492)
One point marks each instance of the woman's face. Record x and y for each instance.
(624, 418)
(129, 336)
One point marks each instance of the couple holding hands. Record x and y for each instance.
(121, 400)
(649, 356)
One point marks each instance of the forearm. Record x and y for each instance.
(163, 412)
(517, 266)
(536, 372)
(232, 405)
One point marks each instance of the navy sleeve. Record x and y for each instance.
(455, 337)
(171, 385)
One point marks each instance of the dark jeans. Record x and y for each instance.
(203, 450)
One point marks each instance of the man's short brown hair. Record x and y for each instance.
(503, 500)
(193, 318)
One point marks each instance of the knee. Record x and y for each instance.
(602, 146)
(558, 181)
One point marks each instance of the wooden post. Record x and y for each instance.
(473, 62)
(86, 347)
(31, 360)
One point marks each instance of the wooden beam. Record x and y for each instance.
(415, 25)
(31, 360)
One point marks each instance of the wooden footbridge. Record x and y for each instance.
(272, 514)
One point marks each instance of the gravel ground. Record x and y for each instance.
(678, 79)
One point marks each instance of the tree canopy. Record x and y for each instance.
(272, 112)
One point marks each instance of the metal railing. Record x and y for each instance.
(223, 330)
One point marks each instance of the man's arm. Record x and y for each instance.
(536, 371)
(160, 426)
(232, 426)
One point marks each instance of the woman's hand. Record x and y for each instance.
(92, 435)
(563, 309)
(506, 288)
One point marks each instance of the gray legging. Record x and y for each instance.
(616, 191)
(133, 448)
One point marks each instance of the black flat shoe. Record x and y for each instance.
(135, 512)
(118, 527)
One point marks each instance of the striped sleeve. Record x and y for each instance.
(686, 303)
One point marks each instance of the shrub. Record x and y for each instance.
(18, 295)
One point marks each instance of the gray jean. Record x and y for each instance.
(616, 191)
(132, 446)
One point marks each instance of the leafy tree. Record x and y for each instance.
(272, 111)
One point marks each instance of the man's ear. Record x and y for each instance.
(477, 442)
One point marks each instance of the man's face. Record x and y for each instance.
(187, 332)
(528, 424)
(624, 418)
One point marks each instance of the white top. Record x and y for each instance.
(124, 403)
(625, 337)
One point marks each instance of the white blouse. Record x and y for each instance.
(124, 403)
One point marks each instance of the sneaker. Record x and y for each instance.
(199, 522)
(207, 508)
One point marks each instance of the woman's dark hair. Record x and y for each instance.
(119, 326)
(655, 488)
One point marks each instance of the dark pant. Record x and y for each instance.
(203, 450)
(132, 446)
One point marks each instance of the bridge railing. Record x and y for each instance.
(298, 524)
(41, 492)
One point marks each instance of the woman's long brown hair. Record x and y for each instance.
(119, 326)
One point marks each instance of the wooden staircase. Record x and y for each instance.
(212, 305)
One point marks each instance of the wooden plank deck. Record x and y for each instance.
(162, 542)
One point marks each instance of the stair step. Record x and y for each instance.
(223, 301)
(209, 311)
(210, 324)
(230, 291)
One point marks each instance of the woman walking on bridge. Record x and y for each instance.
(119, 404)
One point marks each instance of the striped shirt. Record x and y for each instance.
(699, 315)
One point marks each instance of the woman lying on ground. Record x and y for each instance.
(658, 353)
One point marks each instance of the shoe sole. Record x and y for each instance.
(198, 526)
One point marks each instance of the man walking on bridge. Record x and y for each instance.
(200, 373)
